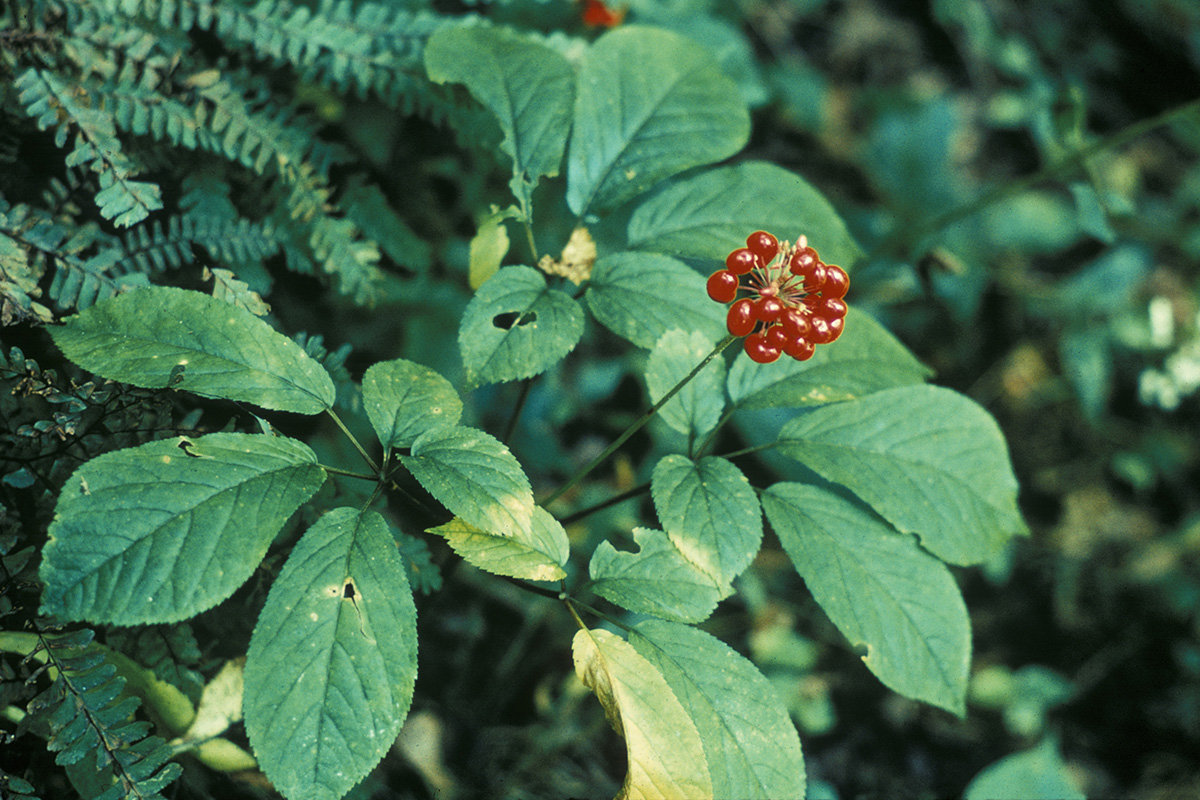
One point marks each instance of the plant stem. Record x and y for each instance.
(348, 473)
(526, 386)
(635, 427)
(612, 501)
(370, 461)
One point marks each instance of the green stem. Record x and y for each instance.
(348, 473)
(370, 461)
(529, 235)
(612, 501)
(745, 451)
(637, 426)
(526, 386)
(1004, 191)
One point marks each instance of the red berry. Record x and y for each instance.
(799, 348)
(763, 245)
(831, 308)
(768, 309)
(836, 326)
(814, 277)
(776, 336)
(740, 320)
(822, 331)
(795, 323)
(741, 261)
(802, 259)
(837, 282)
(759, 350)
(722, 286)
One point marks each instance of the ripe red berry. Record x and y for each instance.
(822, 331)
(741, 261)
(740, 320)
(799, 348)
(763, 245)
(837, 282)
(794, 323)
(836, 326)
(759, 350)
(802, 259)
(831, 308)
(814, 277)
(768, 309)
(776, 336)
(722, 286)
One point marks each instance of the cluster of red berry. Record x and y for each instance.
(797, 299)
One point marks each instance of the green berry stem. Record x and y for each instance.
(636, 426)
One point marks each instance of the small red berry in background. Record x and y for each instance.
(795, 301)
(598, 15)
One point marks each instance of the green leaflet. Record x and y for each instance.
(1035, 774)
(709, 510)
(403, 400)
(475, 476)
(696, 408)
(665, 755)
(750, 742)
(516, 326)
(865, 359)
(535, 556)
(881, 590)
(929, 460)
(161, 336)
(333, 659)
(641, 296)
(650, 104)
(710, 214)
(161, 532)
(527, 86)
(656, 580)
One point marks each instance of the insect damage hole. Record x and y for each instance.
(348, 590)
(510, 319)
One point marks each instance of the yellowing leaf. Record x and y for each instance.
(666, 758)
(534, 556)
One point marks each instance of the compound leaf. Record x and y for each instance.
(666, 757)
(750, 742)
(709, 510)
(475, 476)
(161, 532)
(403, 400)
(657, 580)
(865, 359)
(162, 336)
(641, 296)
(536, 556)
(333, 660)
(516, 326)
(711, 214)
(929, 460)
(696, 408)
(880, 589)
(650, 104)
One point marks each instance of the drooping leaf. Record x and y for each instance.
(881, 590)
(529, 87)
(929, 460)
(711, 214)
(865, 359)
(516, 326)
(751, 745)
(641, 296)
(650, 104)
(709, 510)
(404, 399)
(696, 408)
(475, 476)
(161, 532)
(1035, 774)
(656, 580)
(665, 755)
(160, 336)
(488, 248)
(537, 556)
(333, 660)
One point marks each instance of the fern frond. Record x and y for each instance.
(19, 278)
(154, 248)
(55, 105)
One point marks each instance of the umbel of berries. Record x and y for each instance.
(791, 301)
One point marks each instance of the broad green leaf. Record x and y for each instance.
(750, 742)
(881, 590)
(161, 532)
(709, 510)
(516, 326)
(475, 476)
(529, 87)
(641, 296)
(711, 214)
(536, 556)
(696, 408)
(656, 580)
(487, 250)
(650, 104)
(161, 336)
(665, 755)
(929, 460)
(403, 400)
(865, 359)
(333, 660)
(1036, 774)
